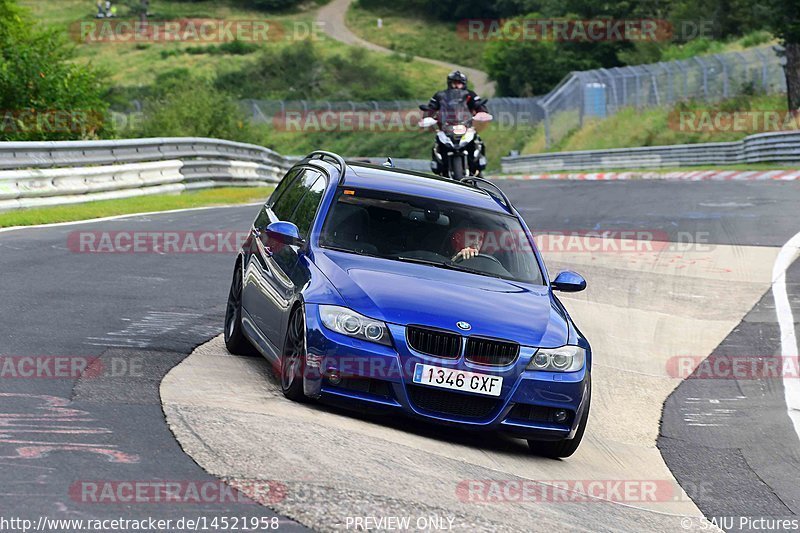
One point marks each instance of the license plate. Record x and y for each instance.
(447, 378)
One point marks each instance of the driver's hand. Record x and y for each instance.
(467, 253)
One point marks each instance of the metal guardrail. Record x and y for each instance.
(35, 174)
(778, 147)
(53, 173)
(18, 155)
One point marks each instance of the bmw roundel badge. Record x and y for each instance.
(466, 326)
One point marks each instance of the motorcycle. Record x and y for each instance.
(458, 151)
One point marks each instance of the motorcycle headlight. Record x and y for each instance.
(563, 359)
(444, 139)
(348, 322)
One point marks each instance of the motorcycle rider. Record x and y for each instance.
(454, 97)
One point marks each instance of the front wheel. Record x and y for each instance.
(293, 358)
(457, 168)
(561, 448)
(235, 341)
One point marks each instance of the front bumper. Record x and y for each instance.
(364, 375)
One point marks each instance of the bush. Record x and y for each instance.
(43, 95)
(182, 105)
(304, 72)
(755, 38)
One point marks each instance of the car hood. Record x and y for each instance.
(407, 293)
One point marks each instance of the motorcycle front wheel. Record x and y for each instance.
(457, 168)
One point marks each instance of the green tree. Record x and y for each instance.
(528, 67)
(785, 24)
(43, 94)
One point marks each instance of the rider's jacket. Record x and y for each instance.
(456, 99)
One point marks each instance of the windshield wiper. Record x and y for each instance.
(348, 250)
(447, 265)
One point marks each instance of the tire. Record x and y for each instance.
(235, 341)
(292, 365)
(562, 448)
(457, 168)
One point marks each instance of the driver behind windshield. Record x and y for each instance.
(473, 240)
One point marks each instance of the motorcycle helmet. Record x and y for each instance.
(455, 76)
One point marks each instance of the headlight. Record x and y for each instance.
(563, 359)
(348, 322)
(466, 139)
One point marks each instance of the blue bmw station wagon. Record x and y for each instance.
(373, 287)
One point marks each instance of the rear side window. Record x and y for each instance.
(303, 215)
(285, 205)
(283, 185)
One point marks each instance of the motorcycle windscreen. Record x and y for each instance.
(454, 110)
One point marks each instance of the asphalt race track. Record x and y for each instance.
(148, 310)
(714, 447)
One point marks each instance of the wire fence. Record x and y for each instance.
(509, 111)
(600, 93)
(580, 96)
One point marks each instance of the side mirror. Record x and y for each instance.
(568, 281)
(424, 107)
(285, 233)
(427, 122)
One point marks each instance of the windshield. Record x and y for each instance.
(453, 108)
(439, 234)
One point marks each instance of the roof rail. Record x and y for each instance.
(474, 181)
(337, 159)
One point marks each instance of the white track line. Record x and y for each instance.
(130, 215)
(791, 384)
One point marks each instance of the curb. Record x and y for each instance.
(702, 175)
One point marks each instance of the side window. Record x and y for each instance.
(262, 220)
(283, 185)
(287, 202)
(303, 215)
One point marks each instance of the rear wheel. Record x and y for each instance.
(293, 358)
(235, 341)
(561, 448)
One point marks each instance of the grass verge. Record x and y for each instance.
(139, 204)
(410, 33)
(632, 127)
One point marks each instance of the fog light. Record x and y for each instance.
(334, 377)
(560, 415)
